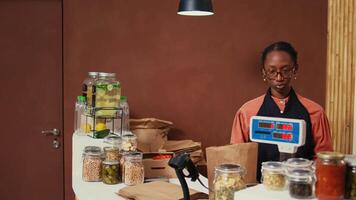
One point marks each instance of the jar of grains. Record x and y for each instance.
(273, 175)
(92, 163)
(112, 147)
(133, 169)
(330, 176)
(229, 178)
(301, 183)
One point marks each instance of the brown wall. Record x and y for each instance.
(193, 71)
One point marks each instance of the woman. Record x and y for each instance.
(279, 67)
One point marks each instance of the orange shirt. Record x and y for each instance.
(319, 121)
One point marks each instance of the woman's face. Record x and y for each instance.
(279, 70)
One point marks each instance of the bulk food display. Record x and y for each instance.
(229, 178)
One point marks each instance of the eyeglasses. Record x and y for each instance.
(285, 73)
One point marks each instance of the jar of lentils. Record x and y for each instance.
(112, 147)
(133, 169)
(301, 183)
(273, 175)
(92, 164)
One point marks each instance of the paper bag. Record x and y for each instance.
(158, 190)
(151, 133)
(244, 154)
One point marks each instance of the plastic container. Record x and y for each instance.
(92, 164)
(330, 176)
(229, 178)
(112, 147)
(107, 95)
(87, 90)
(80, 127)
(133, 169)
(301, 183)
(298, 163)
(350, 185)
(111, 172)
(129, 143)
(126, 114)
(273, 175)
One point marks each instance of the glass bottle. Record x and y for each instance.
(126, 114)
(301, 183)
(79, 117)
(133, 169)
(350, 185)
(330, 176)
(87, 90)
(229, 178)
(273, 175)
(92, 164)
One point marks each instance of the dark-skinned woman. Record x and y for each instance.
(279, 68)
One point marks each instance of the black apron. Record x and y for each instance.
(294, 110)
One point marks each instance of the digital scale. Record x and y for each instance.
(288, 134)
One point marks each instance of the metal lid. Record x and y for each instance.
(129, 137)
(329, 155)
(113, 140)
(111, 162)
(300, 173)
(91, 74)
(92, 150)
(104, 74)
(272, 165)
(229, 168)
(350, 160)
(298, 163)
(133, 155)
(112, 75)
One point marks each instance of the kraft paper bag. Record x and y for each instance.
(158, 190)
(151, 133)
(244, 154)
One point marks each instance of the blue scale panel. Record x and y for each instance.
(276, 131)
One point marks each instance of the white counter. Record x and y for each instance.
(98, 190)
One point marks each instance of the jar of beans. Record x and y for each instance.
(92, 164)
(133, 169)
(330, 176)
(301, 183)
(112, 147)
(273, 175)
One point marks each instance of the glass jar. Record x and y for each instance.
(129, 142)
(330, 176)
(92, 164)
(298, 163)
(133, 169)
(301, 183)
(111, 172)
(273, 175)
(107, 95)
(112, 147)
(229, 178)
(350, 185)
(87, 89)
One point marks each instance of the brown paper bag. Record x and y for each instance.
(151, 133)
(158, 190)
(244, 154)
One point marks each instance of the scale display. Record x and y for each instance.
(288, 134)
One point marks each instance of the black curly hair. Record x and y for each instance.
(280, 46)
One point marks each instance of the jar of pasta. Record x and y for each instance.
(330, 176)
(229, 178)
(273, 175)
(129, 142)
(92, 164)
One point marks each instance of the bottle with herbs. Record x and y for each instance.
(229, 178)
(301, 183)
(330, 176)
(273, 175)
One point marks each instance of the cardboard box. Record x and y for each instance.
(158, 167)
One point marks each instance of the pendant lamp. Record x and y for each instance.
(195, 7)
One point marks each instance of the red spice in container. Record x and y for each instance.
(330, 176)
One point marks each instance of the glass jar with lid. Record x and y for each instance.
(298, 163)
(112, 147)
(129, 142)
(330, 175)
(301, 183)
(133, 169)
(92, 164)
(229, 178)
(87, 89)
(273, 175)
(111, 172)
(107, 95)
(350, 185)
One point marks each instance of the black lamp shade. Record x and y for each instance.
(195, 7)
